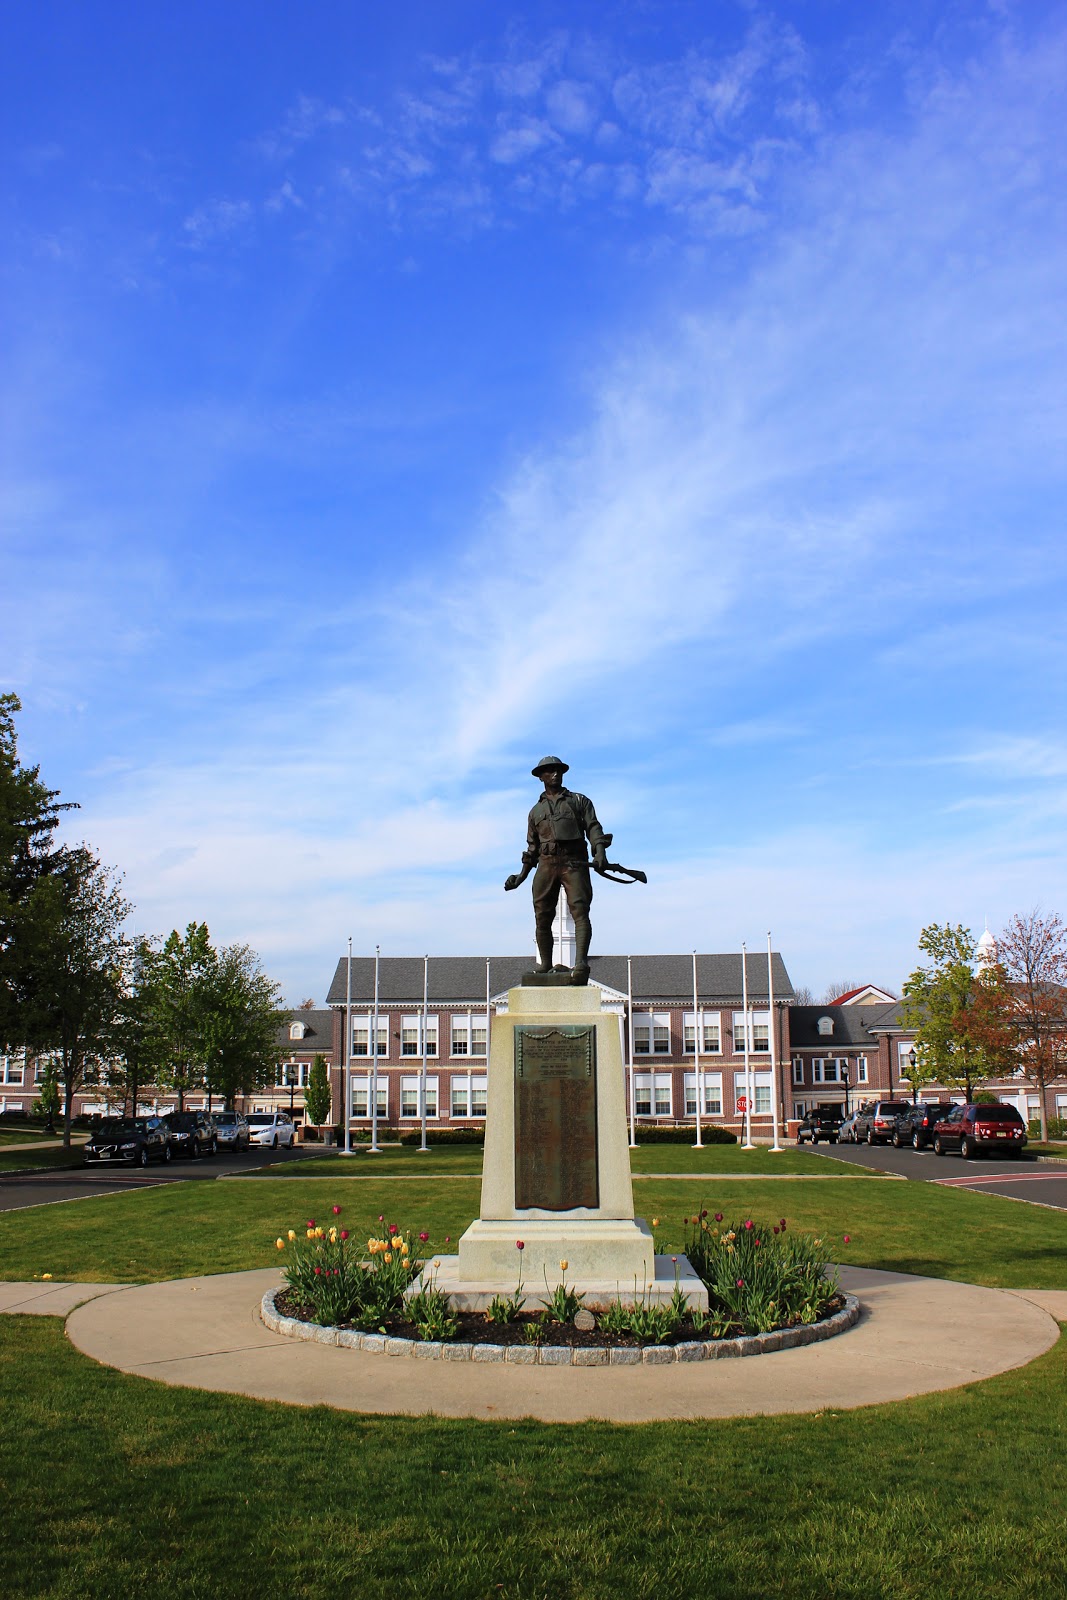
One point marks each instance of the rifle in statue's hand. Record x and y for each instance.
(629, 874)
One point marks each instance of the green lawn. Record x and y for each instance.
(113, 1484)
(398, 1160)
(20, 1133)
(34, 1160)
(181, 1229)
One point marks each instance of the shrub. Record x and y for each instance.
(444, 1136)
(760, 1275)
(710, 1133)
(1057, 1128)
(325, 1269)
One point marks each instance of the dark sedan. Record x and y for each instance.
(137, 1140)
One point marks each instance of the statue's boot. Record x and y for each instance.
(544, 952)
(582, 934)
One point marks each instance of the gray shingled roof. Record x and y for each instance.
(853, 1025)
(462, 978)
(319, 1024)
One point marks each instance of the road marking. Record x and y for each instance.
(992, 1177)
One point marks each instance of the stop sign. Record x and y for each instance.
(742, 1103)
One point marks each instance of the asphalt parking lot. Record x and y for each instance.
(1039, 1180)
(21, 1189)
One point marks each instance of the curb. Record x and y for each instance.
(550, 1355)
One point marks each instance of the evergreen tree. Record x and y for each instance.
(318, 1099)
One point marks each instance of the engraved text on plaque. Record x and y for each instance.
(555, 1118)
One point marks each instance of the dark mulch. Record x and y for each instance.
(474, 1327)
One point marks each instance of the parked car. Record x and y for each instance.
(191, 1133)
(875, 1122)
(971, 1128)
(231, 1128)
(271, 1127)
(916, 1125)
(846, 1134)
(824, 1122)
(137, 1140)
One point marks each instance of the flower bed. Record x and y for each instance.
(768, 1289)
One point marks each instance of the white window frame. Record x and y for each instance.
(410, 1084)
(413, 1024)
(646, 1025)
(762, 1090)
(798, 1070)
(361, 1023)
(712, 1093)
(361, 1082)
(710, 1033)
(757, 1019)
(463, 1027)
(660, 1087)
(12, 1076)
(303, 1070)
(468, 1084)
(862, 1070)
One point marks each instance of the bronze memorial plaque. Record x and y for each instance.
(555, 1118)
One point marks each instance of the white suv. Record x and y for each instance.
(271, 1127)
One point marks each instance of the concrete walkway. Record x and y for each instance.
(917, 1335)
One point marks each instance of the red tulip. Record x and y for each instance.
(740, 1283)
(392, 1227)
(848, 1238)
(718, 1216)
(520, 1244)
(318, 1272)
(344, 1233)
(749, 1226)
(337, 1211)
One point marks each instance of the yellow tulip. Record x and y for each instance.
(279, 1244)
(311, 1233)
(403, 1249)
(564, 1265)
(46, 1275)
(319, 1234)
(655, 1222)
(388, 1258)
(292, 1235)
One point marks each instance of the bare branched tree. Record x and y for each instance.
(1032, 951)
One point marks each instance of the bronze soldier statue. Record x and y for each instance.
(559, 825)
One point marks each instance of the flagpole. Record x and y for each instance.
(774, 1045)
(374, 1147)
(630, 1049)
(422, 1088)
(696, 1051)
(346, 1059)
(748, 1065)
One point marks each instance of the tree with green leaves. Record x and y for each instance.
(31, 868)
(243, 1011)
(957, 1011)
(49, 1100)
(177, 982)
(318, 1099)
(78, 955)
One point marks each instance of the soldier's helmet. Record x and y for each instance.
(546, 762)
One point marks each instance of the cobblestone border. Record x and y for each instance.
(552, 1355)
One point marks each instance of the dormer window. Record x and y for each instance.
(825, 1026)
(296, 1030)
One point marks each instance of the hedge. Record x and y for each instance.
(444, 1136)
(711, 1133)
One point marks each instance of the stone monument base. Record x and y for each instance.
(598, 1291)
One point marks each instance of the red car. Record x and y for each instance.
(972, 1128)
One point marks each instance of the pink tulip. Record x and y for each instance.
(848, 1238)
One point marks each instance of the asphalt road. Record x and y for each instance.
(21, 1189)
(1040, 1181)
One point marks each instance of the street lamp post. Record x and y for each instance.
(844, 1080)
(912, 1059)
(290, 1078)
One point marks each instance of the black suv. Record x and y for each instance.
(916, 1125)
(191, 1133)
(138, 1140)
(822, 1123)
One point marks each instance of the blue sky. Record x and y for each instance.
(389, 399)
